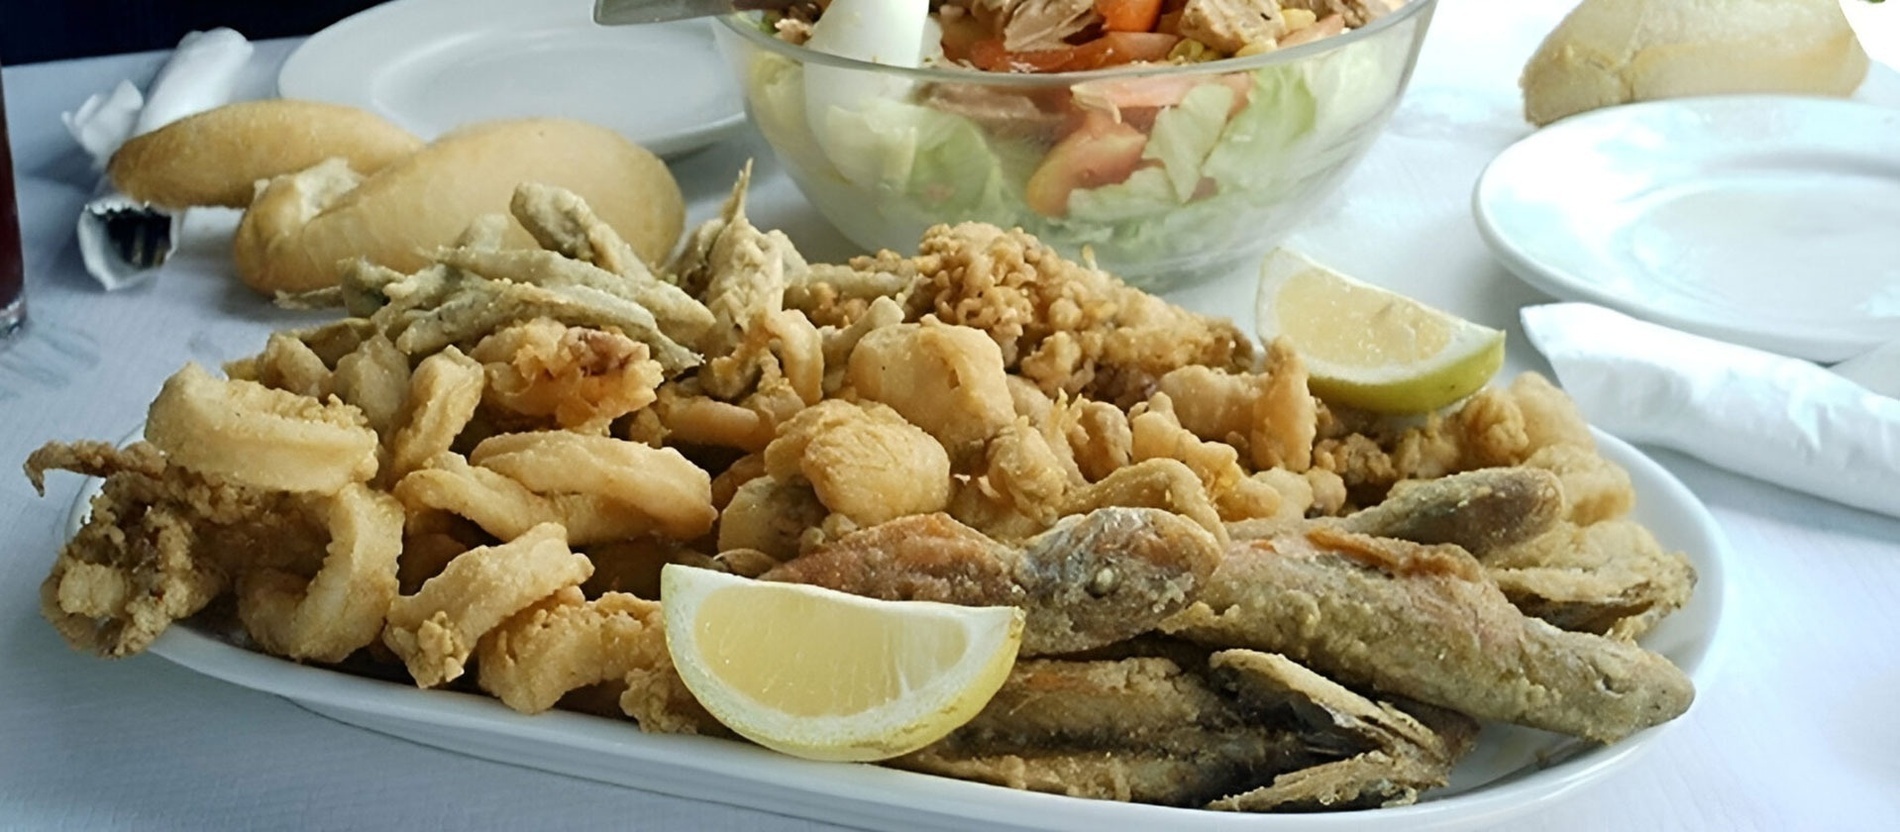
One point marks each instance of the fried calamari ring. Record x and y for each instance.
(332, 615)
(375, 378)
(703, 420)
(443, 394)
(253, 435)
(288, 364)
(657, 482)
(435, 630)
(567, 642)
(507, 509)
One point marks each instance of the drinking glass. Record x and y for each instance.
(12, 269)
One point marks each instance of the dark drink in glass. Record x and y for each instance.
(12, 268)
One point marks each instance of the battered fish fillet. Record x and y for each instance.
(1091, 580)
(1423, 622)
(1498, 426)
(1270, 416)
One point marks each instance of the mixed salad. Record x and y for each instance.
(1143, 170)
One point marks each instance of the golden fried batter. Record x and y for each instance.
(1065, 326)
(948, 380)
(584, 378)
(435, 630)
(864, 461)
(566, 642)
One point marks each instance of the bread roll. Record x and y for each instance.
(1609, 52)
(302, 227)
(216, 157)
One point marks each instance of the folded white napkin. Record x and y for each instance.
(1877, 369)
(1778, 419)
(201, 73)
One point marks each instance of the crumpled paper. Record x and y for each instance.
(202, 73)
(1778, 419)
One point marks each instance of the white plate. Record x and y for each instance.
(434, 65)
(1512, 771)
(1770, 221)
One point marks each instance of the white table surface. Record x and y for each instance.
(1799, 728)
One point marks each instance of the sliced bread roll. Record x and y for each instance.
(1609, 52)
(216, 157)
(301, 228)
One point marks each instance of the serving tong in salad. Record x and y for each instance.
(634, 12)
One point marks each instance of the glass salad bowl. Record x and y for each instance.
(1166, 174)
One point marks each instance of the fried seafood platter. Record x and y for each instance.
(1237, 597)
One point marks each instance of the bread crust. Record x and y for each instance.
(300, 231)
(1609, 52)
(216, 157)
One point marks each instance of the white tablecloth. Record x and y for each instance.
(1798, 729)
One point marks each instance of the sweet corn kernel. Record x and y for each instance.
(1257, 47)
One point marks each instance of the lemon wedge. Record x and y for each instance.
(1368, 347)
(825, 675)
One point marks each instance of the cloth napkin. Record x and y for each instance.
(1775, 418)
(202, 73)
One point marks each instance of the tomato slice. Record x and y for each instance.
(1128, 15)
(1101, 152)
(1154, 91)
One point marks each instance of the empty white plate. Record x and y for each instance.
(1770, 221)
(434, 65)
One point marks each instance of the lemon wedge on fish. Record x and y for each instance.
(825, 675)
(1368, 347)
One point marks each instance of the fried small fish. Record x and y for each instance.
(1091, 580)
(1479, 511)
(1424, 622)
